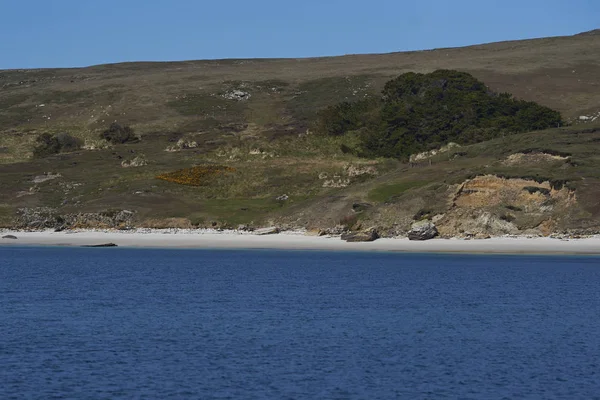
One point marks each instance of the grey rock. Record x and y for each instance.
(101, 245)
(9, 237)
(48, 176)
(360, 207)
(422, 230)
(267, 231)
(238, 95)
(367, 235)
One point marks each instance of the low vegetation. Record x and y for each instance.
(195, 176)
(117, 134)
(48, 144)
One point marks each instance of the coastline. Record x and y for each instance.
(211, 239)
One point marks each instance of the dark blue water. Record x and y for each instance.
(122, 323)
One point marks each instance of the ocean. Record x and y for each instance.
(122, 323)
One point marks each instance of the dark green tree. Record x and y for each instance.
(418, 112)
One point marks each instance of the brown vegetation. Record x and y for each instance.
(195, 176)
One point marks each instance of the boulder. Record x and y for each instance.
(101, 245)
(367, 235)
(238, 95)
(136, 162)
(9, 237)
(267, 231)
(422, 230)
(360, 207)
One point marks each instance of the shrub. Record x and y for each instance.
(118, 134)
(418, 112)
(68, 143)
(48, 144)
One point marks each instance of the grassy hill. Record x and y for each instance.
(253, 116)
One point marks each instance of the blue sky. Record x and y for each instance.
(71, 33)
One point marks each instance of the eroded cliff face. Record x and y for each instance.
(492, 205)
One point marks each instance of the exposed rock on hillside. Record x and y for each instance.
(238, 95)
(490, 205)
(414, 158)
(532, 158)
(182, 144)
(48, 176)
(50, 218)
(138, 161)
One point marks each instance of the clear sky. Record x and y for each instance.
(70, 33)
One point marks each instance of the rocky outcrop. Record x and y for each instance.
(48, 176)
(12, 237)
(367, 235)
(238, 95)
(534, 158)
(422, 230)
(49, 218)
(496, 206)
(138, 161)
(100, 245)
(355, 170)
(415, 158)
(182, 144)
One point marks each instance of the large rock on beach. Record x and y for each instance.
(422, 230)
(367, 235)
(13, 237)
(267, 231)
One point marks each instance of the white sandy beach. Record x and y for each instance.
(298, 241)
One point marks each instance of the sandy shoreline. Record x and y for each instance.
(298, 241)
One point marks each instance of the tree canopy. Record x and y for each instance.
(418, 112)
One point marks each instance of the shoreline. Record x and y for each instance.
(212, 239)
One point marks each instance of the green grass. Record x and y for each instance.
(310, 97)
(234, 212)
(388, 192)
(6, 215)
(208, 106)
(8, 101)
(66, 97)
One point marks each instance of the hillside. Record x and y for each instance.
(251, 118)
